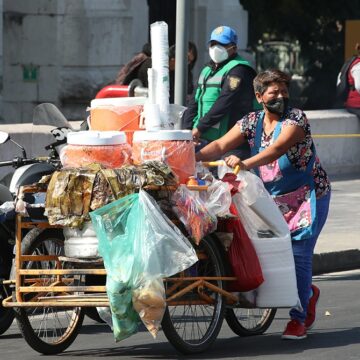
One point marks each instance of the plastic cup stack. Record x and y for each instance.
(160, 72)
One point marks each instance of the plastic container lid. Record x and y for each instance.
(162, 135)
(122, 101)
(96, 137)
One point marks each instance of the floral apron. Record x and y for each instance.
(293, 190)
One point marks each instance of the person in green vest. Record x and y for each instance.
(224, 92)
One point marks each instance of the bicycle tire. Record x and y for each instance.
(176, 319)
(7, 315)
(44, 339)
(249, 322)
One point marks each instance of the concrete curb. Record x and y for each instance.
(336, 261)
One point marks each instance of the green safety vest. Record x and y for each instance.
(208, 91)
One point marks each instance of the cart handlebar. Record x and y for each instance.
(220, 163)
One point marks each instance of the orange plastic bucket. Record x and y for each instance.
(173, 147)
(121, 114)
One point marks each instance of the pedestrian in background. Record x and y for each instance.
(283, 155)
(191, 59)
(348, 85)
(224, 91)
(136, 68)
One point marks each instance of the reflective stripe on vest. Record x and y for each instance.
(208, 91)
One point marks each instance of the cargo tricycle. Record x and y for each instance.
(51, 293)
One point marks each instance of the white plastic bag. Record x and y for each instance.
(270, 235)
(259, 201)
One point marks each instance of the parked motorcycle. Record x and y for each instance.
(27, 171)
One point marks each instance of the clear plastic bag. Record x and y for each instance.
(192, 212)
(140, 246)
(7, 211)
(149, 301)
(262, 213)
(111, 156)
(171, 152)
(217, 198)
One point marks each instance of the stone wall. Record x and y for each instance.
(64, 51)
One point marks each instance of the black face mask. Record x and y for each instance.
(277, 106)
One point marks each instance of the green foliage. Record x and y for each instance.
(319, 27)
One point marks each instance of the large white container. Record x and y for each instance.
(82, 243)
(279, 288)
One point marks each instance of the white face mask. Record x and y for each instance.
(218, 54)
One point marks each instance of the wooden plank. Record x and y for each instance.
(62, 271)
(195, 278)
(34, 289)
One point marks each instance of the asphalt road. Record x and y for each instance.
(335, 336)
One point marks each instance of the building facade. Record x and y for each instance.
(64, 51)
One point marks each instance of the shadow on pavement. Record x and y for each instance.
(232, 347)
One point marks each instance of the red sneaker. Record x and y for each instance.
(294, 331)
(311, 310)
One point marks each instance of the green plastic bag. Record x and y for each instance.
(125, 319)
(140, 246)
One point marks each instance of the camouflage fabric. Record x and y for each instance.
(72, 193)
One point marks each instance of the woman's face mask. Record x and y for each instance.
(218, 54)
(278, 105)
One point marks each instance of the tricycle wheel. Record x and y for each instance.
(6, 253)
(190, 324)
(6, 314)
(48, 330)
(249, 322)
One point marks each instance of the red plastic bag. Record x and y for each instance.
(243, 258)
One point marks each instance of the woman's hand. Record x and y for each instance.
(233, 161)
(196, 135)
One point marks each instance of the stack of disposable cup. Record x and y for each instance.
(151, 109)
(160, 71)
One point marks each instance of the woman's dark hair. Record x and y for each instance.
(146, 49)
(265, 78)
(192, 48)
(172, 52)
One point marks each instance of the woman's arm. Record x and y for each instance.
(215, 149)
(290, 135)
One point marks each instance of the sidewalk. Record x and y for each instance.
(338, 247)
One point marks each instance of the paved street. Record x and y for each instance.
(342, 229)
(338, 247)
(335, 336)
